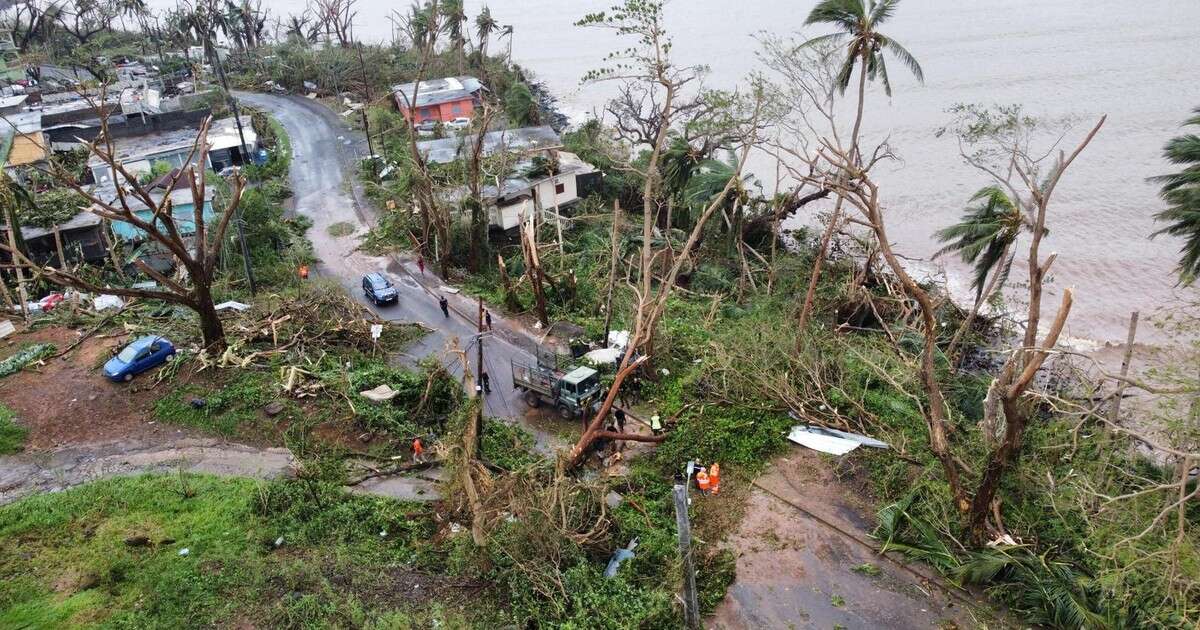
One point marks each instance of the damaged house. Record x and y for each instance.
(541, 178)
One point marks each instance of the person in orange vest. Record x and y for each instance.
(418, 450)
(714, 478)
(304, 272)
(702, 481)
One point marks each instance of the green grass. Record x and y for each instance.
(233, 408)
(64, 561)
(340, 229)
(12, 435)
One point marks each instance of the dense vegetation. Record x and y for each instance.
(744, 324)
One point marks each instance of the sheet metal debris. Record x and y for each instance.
(831, 441)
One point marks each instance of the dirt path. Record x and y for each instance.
(53, 471)
(805, 560)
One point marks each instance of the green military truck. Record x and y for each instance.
(573, 393)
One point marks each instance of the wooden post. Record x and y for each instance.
(112, 250)
(1115, 410)
(58, 245)
(21, 295)
(691, 606)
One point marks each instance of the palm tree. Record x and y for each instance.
(984, 239)
(456, 17)
(485, 25)
(855, 21)
(1181, 191)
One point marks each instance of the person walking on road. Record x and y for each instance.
(421, 264)
(442, 302)
(487, 382)
(487, 319)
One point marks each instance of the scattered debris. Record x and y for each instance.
(603, 356)
(619, 556)
(6, 328)
(185, 551)
(831, 441)
(383, 393)
(821, 442)
(273, 408)
(232, 306)
(106, 301)
(137, 541)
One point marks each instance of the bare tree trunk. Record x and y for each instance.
(1015, 421)
(510, 295)
(814, 277)
(533, 268)
(612, 268)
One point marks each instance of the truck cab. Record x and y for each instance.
(573, 393)
(579, 388)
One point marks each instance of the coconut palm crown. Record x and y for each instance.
(1181, 191)
(856, 21)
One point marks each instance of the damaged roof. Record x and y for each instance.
(524, 140)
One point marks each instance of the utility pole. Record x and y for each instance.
(362, 66)
(479, 378)
(691, 606)
(237, 118)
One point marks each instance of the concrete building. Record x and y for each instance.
(439, 99)
(543, 178)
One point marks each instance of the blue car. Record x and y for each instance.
(379, 289)
(141, 355)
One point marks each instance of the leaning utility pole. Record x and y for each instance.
(362, 66)
(691, 606)
(237, 118)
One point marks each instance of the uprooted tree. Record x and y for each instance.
(195, 255)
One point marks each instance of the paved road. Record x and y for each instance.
(325, 152)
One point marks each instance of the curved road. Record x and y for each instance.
(325, 155)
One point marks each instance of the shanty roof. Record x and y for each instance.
(12, 101)
(434, 91)
(518, 186)
(79, 221)
(222, 134)
(525, 140)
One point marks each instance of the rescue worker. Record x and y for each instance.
(714, 478)
(702, 481)
(418, 451)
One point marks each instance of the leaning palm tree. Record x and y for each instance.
(856, 22)
(983, 239)
(1181, 191)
